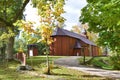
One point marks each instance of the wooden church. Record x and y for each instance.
(66, 43)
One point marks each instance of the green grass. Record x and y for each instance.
(8, 71)
(100, 62)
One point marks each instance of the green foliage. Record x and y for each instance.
(29, 35)
(99, 62)
(115, 61)
(29, 38)
(4, 36)
(10, 12)
(41, 47)
(102, 17)
(9, 8)
(26, 39)
(20, 44)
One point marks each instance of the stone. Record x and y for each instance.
(24, 68)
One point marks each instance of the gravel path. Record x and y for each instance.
(68, 61)
(73, 63)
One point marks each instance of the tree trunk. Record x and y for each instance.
(9, 48)
(48, 66)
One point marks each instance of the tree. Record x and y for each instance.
(91, 35)
(76, 29)
(27, 34)
(81, 29)
(10, 12)
(102, 17)
(50, 15)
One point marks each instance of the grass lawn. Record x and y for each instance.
(8, 71)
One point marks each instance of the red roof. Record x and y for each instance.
(62, 32)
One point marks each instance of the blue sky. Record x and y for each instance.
(72, 8)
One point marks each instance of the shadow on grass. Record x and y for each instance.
(8, 73)
(90, 76)
(57, 74)
(56, 67)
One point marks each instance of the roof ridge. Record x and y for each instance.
(61, 30)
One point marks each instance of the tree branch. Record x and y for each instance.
(21, 10)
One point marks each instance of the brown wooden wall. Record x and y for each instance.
(64, 46)
(95, 51)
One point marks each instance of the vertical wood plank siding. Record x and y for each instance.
(64, 46)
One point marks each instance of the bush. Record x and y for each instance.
(115, 61)
(99, 62)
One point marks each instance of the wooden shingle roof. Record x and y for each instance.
(62, 32)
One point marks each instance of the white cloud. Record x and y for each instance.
(76, 4)
(72, 8)
(31, 14)
(68, 27)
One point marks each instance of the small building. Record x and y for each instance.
(66, 43)
(32, 50)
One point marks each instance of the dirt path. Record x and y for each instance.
(73, 63)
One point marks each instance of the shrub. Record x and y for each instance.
(100, 62)
(115, 61)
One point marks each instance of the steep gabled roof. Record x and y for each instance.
(62, 32)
